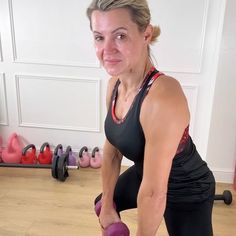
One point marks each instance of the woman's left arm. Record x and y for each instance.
(164, 116)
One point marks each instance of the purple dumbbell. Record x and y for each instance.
(115, 229)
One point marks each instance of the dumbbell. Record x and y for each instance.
(115, 229)
(60, 163)
(226, 197)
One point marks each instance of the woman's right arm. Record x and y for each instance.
(110, 171)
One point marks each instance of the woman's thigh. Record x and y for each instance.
(187, 219)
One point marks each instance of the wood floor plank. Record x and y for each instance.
(32, 203)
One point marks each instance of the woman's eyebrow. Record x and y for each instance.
(115, 30)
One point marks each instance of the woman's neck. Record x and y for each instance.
(133, 79)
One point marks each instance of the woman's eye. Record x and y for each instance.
(98, 38)
(121, 36)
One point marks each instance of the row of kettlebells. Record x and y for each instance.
(14, 153)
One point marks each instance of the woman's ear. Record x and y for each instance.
(148, 33)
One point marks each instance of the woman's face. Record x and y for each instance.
(120, 46)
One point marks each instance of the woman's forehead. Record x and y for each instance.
(109, 20)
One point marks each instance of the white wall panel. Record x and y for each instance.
(1, 57)
(3, 101)
(58, 103)
(181, 43)
(47, 32)
(191, 93)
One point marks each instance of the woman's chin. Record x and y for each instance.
(112, 71)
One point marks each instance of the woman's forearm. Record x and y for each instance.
(110, 173)
(151, 209)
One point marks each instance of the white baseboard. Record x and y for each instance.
(223, 175)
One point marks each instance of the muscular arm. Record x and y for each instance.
(163, 127)
(110, 170)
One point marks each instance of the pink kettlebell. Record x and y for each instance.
(0, 149)
(96, 158)
(12, 153)
(84, 158)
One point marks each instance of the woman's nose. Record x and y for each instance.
(109, 46)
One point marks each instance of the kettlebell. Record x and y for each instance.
(84, 158)
(0, 149)
(72, 159)
(96, 158)
(12, 153)
(45, 154)
(29, 157)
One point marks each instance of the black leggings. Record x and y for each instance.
(182, 219)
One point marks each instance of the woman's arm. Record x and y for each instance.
(110, 171)
(164, 116)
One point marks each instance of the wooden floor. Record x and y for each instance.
(32, 203)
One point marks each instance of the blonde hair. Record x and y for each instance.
(139, 11)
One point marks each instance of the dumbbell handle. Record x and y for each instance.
(40, 166)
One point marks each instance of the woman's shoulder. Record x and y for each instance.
(166, 98)
(166, 88)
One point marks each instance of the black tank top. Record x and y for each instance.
(127, 134)
(190, 179)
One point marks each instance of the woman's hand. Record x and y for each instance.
(108, 217)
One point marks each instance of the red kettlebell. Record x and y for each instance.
(45, 154)
(96, 158)
(27, 156)
(12, 153)
(84, 158)
(115, 229)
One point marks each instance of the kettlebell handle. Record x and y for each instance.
(46, 144)
(96, 149)
(59, 146)
(83, 149)
(68, 150)
(25, 149)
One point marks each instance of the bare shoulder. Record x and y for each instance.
(167, 87)
(166, 99)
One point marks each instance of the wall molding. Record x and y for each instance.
(95, 64)
(193, 88)
(6, 121)
(1, 55)
(95, 81)
(198, 67)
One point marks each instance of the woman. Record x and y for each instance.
(147, 122)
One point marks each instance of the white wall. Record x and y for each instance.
(53, 89)
(221, 154)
